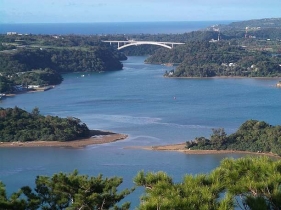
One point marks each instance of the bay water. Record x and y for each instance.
(103, 28)
(151, 109)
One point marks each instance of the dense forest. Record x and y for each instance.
(245, 183)
(252, 135)
(41, 59)
(247, 48)
(19, 125)
(40, 77)
(224, 58)
(60, 60)
(42, 40)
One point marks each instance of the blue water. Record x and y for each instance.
(151, 109)
(108, 28)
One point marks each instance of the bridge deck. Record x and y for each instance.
(128, 43)
(133, 41)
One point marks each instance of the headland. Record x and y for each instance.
(181, 147)
(97, 137)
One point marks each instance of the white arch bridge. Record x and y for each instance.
(123, 44)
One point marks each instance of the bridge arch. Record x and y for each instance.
(144, 43)
(129, 43)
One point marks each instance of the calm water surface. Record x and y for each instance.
(167, 27)
(151, 109)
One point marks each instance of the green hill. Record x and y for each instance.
(253, 136)
(18, 125)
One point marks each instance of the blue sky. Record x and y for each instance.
(73, 11)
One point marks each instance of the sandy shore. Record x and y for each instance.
(98, 137)
(181, 148)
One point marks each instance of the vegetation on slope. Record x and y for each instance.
(246, 183)
(253, 135)
(40, 59)
(19, 125)
(255, 23)
(205, 59)
(60, 60)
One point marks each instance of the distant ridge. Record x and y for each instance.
(262, 23)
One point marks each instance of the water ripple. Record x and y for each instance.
(20, 170)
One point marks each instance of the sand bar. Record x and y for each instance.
(98, 137)
(181, 148)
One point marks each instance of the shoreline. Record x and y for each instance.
(97, 137)
(32, 90)
(180, 147)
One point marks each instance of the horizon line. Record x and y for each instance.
(118, 22)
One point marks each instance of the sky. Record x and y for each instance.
(77, 11)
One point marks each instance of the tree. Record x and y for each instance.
(253, 136)
(35, 112)
(195, 192)
(253, 182)
(245, 183)
(19, 125)
(248, 183)
(74, 191)
(5, 85)
(14, 202)
(218, 137)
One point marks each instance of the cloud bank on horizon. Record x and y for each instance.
(73, 11)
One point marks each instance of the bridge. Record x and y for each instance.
(128, 43)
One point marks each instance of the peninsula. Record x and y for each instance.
(98, 137)
(181, 147)
(252, 137)
(218, 59)
(20, 128)
(29, 62)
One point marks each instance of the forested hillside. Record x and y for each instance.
(19, 125)
(38, 66)
(224, 58)
(253, 135)
(60, 60)
(254, 23)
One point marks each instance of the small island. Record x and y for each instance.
(19, 128)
